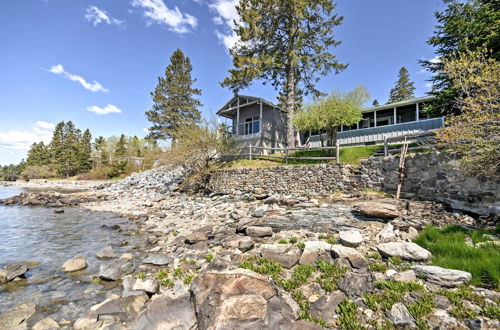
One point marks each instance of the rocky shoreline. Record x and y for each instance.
(254, 261)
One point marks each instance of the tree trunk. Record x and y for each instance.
(290, 106)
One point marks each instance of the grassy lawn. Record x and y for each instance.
(449, 250)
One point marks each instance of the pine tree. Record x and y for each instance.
(174, 99)
(100, 146)
(471, 25)
(85, 151)
(287, 43)
(121, 147)
(57, 148)
(404, 88)
(135, 146)
(375, 103)
(38, 155)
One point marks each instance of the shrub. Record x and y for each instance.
(99, 173)
(348, 317)
(38, 172)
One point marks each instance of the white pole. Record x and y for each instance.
(375, 118)
(337, 149)
(416, 113)
(238, 117)
(395, 116)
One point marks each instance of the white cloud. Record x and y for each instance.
(23, 139)
(157, 12)
(93, 87)
(104, 111)
(96, 16)
(145, 130)
(428, 85)
(226, 14)
(436, 59)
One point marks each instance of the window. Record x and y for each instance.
(252, 125)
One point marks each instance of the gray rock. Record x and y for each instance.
(315, 251)
(106, 253)
(404, 250)
(286, 255)
(305, 325)
(400, 317)
(272, 200)
(387, 234)
(379, 209)
(248, 301)
(260, 211)
(74, 264)
(406, 276)
(351, 238)
(443, 276)
(256, 231)
(147, 285)
(11, 271)
(17, 316)
(193, 238)
(246, 244)
(89, 320)
(165, 312)
(355, 285)
(325, 307)
(158, 259)
(121, 309)
(355, 258)
(128, 284)
(116, 269)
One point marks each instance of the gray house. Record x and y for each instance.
(260, 123)
(256, 122)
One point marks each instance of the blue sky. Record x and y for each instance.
(96, 61)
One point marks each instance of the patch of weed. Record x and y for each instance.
(301, 246)
(396, 261)
(209, 257)
(492, 311)
(400, 287)
(348, 317)
(188, 278)
(377, 266)
(262, 266)
(161, 274)
(329, 275)
(299, 277)
(282, 241)
(293, 240)
(375, 255)
(177, 272)
(422, 306)
(141, 275)
(166, 282)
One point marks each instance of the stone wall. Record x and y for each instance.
(430, 176)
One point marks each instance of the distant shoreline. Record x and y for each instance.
(57, 184)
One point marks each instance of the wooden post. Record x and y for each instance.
(337, 149)
(404, 150)
(386, 147)
(250, 154)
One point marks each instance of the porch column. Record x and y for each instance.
(416, 113)
(238, 117)
(357, 125)
(260, 117)
(341, 128)
(375, 118)
(395, 116)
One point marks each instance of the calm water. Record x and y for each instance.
(37, 234)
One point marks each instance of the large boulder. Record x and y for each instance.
(443, 276)
(379, 209)
(239, 299)
(166, 312)
(17, 316)
(147, 285)
(350, 238)
(315, 251)
(74, 264)
(11, 271)
(116, 269)
(404, 250)
(326, 306)
(286, 255)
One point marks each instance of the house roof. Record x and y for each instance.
(227, 109)
(400, 103)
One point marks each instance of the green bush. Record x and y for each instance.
(38, 172)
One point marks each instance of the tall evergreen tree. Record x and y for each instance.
(174, 99)
(404, 88)
(462, 26)
(375, 103)
(286, 42)
(121, 147)
(38, 155)
(85, 151)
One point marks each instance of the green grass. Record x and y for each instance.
(209, 257)
(400, 287)
(300, 276)
(449, 250)
(354, 155)
(348, 317)
(262, 266)
(377, 266)
(282, 241)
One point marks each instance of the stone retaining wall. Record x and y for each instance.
(430, 176)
